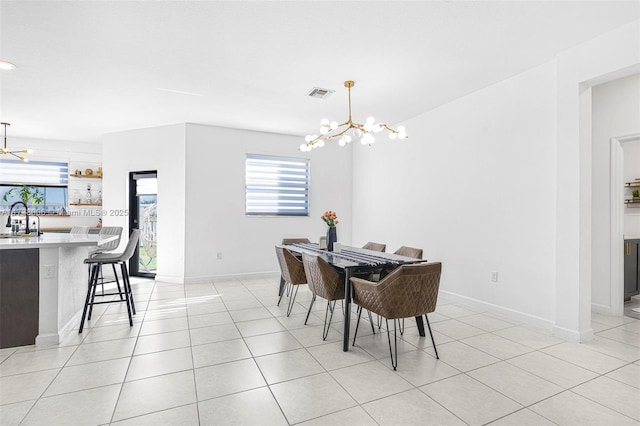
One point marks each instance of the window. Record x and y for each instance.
(276, 186)
(48, 178)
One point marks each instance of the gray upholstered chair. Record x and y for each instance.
(293, 275)
(286, 241)
(375, 246)
(409, 291)
(416, 253)
(95, 262)
(326, 282)
(79, 230)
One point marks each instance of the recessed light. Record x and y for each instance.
(4, 65)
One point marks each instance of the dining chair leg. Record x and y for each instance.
(292, 300)
(401, 326)
(327, 325)
(313, 299)
(394, 362)
(284, 290)
(373, 328)
(357, 324)
(431, 334)
(379, 322)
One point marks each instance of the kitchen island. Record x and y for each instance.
(43, 284)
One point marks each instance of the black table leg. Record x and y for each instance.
(347, 309)
(420, 325)
(282, 289)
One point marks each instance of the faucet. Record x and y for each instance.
(26, 212)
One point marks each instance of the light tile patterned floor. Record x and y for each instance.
(224, 353)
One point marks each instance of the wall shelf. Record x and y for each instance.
(85, 204)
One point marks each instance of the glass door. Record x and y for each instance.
(143, 208)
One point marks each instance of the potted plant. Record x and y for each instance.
(27, 193)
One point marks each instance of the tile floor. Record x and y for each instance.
(224, 353)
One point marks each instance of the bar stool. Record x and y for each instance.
(96, 263)
(107, 247)
(79, 230)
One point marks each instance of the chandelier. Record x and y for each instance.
(349, 130)
(5, 151)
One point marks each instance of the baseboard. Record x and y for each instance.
(170, 279)
(573, 335)
(224, 277)
(502, 311)
(52, 339)
(207, 279)
(48, 339)
(601, 309)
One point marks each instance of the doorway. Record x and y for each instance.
(143, 208)
(620, 229)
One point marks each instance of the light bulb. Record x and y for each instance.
(368, 127)
(402, 135)
(341, 142)
(324, 122)
(371, 120)
(303, 147)
(367, 138)
(320, 143)
(324, 130)
(308, 138)
(377, 128)
(358, 133)
(333, 125)
(401, 129)
(347, 138)
(393, 135)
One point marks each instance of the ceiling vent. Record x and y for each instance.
(320, 93)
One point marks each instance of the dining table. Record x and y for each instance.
(354, 261)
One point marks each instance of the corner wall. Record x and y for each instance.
(161, 149)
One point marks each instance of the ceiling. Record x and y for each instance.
(86, 68)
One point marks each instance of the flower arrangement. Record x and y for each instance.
(330, 218)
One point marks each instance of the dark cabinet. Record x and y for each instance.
(631, 268)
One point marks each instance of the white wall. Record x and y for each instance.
(201, 196)
(474, 186)
(615, 113)
(215, 219)
(76, 154)
(161, 149)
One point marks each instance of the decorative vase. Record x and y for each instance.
(331, 237)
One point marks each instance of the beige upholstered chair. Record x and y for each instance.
(409, 291)
(409, 252)
(375, 246)
(326, 282)
(293, 274)
(286, 241)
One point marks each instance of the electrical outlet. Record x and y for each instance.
(494, 276)
(49, 271)
(219, 255)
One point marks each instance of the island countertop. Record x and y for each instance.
(54, 240)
